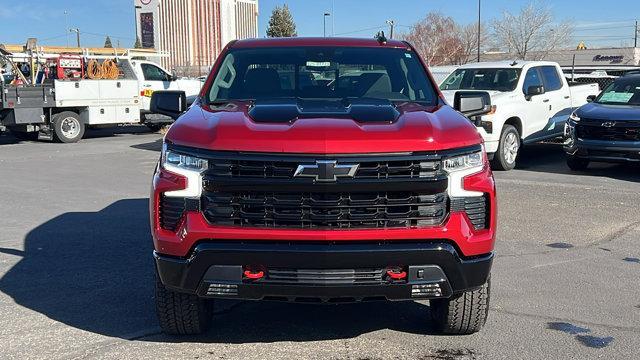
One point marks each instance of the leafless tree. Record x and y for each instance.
(437, 39)
(531, 31)
(469, 37)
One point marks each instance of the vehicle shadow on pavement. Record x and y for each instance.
(94, 271)
(550, 158)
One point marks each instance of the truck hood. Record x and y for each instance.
(597, 111)
(231, 128)
(496, 96)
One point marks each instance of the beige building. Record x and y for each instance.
(194, 32)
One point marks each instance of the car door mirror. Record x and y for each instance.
(534, 90)
(171, 103)
(591, 98)
(472, 103)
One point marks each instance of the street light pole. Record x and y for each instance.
(479, 8)
(324, 21)
(77, 31)
(391, 24)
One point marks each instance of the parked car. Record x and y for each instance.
(608, 128)
(531, 100)
(350, 180)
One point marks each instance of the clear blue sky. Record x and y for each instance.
(604, 23)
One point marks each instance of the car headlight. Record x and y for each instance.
(181, 161)
(190, 167)
(574, 117)
(464, 162)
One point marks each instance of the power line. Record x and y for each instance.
(361, 30)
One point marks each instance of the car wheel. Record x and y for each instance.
(505, 157)
(464, 313)
(576, 163)
(67, 127)
(182, 314)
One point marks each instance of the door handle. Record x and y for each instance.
(545, 100)
(566, 97)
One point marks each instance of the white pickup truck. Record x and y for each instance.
(531, 101)
(62, 109)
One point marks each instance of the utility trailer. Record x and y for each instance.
(62, 109)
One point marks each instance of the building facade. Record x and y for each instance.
(194, 32)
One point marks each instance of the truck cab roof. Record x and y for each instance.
(317, 41)
(517, 64)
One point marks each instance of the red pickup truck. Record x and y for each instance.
(322, 170)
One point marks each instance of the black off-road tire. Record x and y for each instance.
(500, 160)
(577, 164)
(180, 313)
(62, 123)
(462, 314)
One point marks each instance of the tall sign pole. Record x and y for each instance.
(479, 8)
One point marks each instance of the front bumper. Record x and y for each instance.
(214, 269)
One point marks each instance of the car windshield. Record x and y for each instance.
(322, 73)
(482, 79)
(625, 91)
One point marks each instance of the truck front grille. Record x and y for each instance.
(314, 191)
(324, 210)
(325, 277)
(620, 131)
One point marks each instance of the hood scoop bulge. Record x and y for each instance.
(289, 110)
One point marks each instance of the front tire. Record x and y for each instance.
(505, 158)
(182, 314)
(67, 127)
(577, 164)
(464, 313)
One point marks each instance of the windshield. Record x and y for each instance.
(625, 91)
(322, 73)
(482, 79)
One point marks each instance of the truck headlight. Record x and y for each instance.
(574, 117)
(191, 167)
(464, 162)
(187, 162)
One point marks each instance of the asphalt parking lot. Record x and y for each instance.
(76, 272)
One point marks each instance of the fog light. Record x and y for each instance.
(426, 290)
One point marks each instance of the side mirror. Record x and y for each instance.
(171, 103)
(472, 103)
(591, 98)
(533, 91)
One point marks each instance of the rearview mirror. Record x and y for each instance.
(534, 90)
(171, 103)
(591, 98)
(472, 103)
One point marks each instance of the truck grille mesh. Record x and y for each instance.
(621, 131)
(324, 210)
(171, 210)
(325, 277)
(476, 208)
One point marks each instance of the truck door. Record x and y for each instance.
(536, 108)
(155, 78)
(559, 96)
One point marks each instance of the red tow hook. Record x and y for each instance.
(396, 273)
(253, 274)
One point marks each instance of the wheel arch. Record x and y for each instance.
(515, 122)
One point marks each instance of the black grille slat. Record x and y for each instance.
(312, 210)
(476, 208)
(325, 277)
(171, 211)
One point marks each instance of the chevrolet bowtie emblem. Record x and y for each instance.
(609, 124)
(326, 170)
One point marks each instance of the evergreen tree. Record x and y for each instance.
(107, 42)
(281, 23)
(138, 44)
